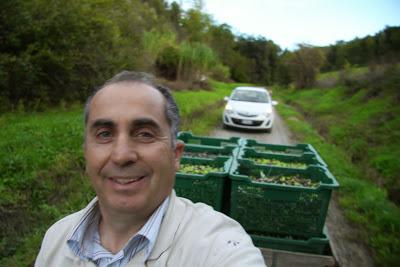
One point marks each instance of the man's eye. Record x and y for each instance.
(145, 136)
(104, 135)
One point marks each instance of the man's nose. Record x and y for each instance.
(123, 152)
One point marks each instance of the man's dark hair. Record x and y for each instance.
(171, 109)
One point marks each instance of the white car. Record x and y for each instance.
(249, 108)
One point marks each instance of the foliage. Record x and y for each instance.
(58, 51)
(364, 120)
(153, 44)
(363, 202)
(41, 166)
(195, 25)
(263, 56)
(203, 99)
(283, 76)
(384, 47)
(220, 72)
(167, 63)
(195, 60)
(303, 65)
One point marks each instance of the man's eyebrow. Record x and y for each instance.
(102, 123)
(145, 122)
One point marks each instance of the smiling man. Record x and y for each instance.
(132, 155)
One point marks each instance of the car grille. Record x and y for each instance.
(254, 123)
(247, 115)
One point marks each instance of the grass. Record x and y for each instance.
(41, 178)
(190, 102)
(361, 124)
(201, 110)
(42, 168)
(336, 74)
(352, 148)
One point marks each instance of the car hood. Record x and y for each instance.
(250, 107)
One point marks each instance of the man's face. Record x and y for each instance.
(128, 151)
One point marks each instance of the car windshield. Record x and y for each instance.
(250, 96)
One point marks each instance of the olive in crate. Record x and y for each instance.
(198, 169)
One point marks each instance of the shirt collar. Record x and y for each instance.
(83, 243)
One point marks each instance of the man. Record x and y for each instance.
(132, 155)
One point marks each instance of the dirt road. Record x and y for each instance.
(344, 237)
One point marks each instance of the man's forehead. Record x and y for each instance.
(128, 95)
(128, 87)
(127, 91)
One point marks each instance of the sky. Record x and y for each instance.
(315, 22)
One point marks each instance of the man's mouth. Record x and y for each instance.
(124, 181)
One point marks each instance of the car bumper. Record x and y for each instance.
(247, 123)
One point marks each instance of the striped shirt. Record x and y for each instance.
(85, 239)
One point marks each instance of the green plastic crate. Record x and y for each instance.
(208, 188)
(295, 150)
(209, 152)
(314, 245)
(265, 208)
(189, 138)
(306, 158)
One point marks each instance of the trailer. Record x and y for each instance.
(282, 258)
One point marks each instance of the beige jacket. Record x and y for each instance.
(190, 235)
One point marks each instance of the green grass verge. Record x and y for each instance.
(362, 201)
(368, 127)
(336, 74)
(41, 178)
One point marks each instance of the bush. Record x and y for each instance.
(220, 72)
(167, 63)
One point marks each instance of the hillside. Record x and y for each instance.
(357, 115)
(362, 116)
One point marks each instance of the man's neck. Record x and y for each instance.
(116, 229)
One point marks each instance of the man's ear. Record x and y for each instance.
(180, 146)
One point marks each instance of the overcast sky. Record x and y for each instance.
(315, 22)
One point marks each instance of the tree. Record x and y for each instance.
(168, 62)
(152, 44)
(263, 54)
(195, 61)
(222, 40)
(174, 15)
(282, 73)
(195, 25)
(304, 65)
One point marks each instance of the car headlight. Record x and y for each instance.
(267, 115)
(229, 109)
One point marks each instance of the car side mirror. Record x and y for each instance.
(226, 98)
(274, 103)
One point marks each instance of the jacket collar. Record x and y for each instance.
(169, 227)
